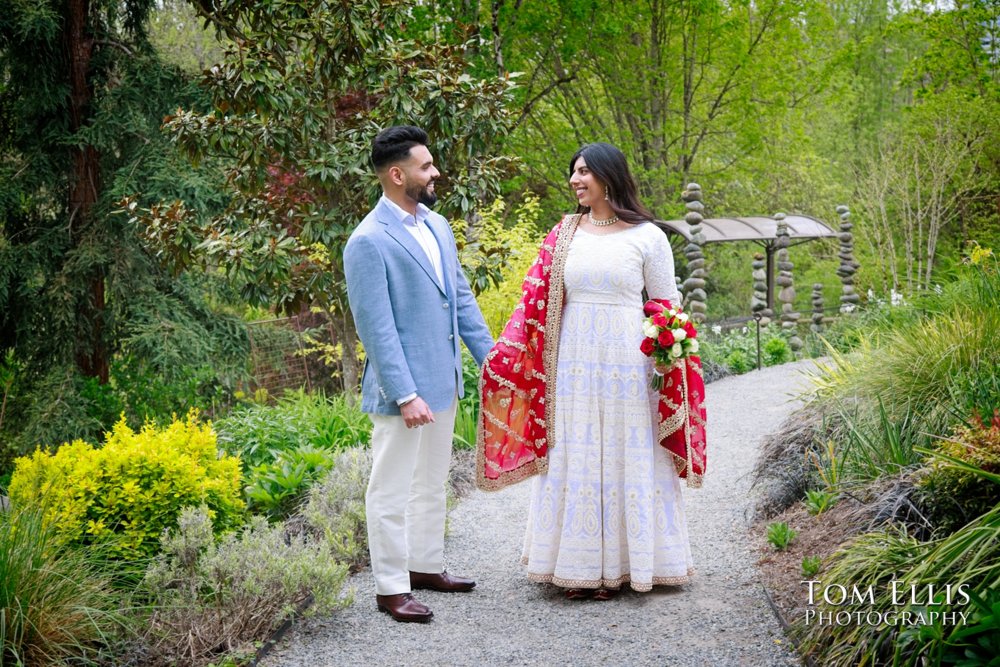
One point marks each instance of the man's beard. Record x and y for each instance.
(422, 195)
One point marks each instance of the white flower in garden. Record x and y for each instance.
(717, 329)
(649, 330)
(679, 335)
(676, 350)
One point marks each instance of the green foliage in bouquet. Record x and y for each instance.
(124, 494)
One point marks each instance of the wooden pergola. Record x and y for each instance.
(761, 230)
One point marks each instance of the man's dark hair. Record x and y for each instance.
(394, 143)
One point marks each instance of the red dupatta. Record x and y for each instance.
(517, 384)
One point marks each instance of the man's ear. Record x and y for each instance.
(395, 174)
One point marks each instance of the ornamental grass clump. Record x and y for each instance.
(953, 574)
(123, 495)
(56, 605)
(904, 387)
(212, 599)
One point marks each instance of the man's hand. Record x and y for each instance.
(416, 413)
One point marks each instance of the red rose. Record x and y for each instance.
(652, 306)
(690, 330)
(666, 338)
(647, 346)
(660, 320)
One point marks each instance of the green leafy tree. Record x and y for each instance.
(82, 95)
(301, 92)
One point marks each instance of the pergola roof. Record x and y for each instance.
(757, 228)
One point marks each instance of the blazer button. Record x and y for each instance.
(451, 336)
(444, 305)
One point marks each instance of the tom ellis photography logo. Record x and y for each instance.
(909, 604)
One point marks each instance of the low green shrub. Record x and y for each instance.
(467, 415)
(210, 598)
(56, 605)
(811, 566)
(776, 351)
(277, 488)
(739, 362)
(124, 494)
(335, 507)
(819, 500)
(258, 433)
(955, 495)
(780, 535)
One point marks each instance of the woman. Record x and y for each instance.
(606, 507)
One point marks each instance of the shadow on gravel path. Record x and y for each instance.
(721, 618)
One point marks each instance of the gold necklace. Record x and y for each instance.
(602, 223)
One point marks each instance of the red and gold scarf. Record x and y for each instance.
(517, 384)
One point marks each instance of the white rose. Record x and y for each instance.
(650, 330)
(679, 335)
(676, 350)
(683, 317)
(693, 347)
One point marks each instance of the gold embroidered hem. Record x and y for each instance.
(679, 580)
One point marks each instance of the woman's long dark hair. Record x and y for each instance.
(609, 166)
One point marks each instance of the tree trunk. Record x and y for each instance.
(91, 349)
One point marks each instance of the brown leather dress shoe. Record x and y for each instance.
(404, 608)
(443, 582)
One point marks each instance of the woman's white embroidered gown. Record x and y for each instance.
(609, 510)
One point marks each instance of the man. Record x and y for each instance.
(411, 304)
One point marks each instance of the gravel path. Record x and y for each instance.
(721, 618)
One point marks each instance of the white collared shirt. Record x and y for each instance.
(418, 229)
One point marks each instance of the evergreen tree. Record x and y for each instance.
(82, 95)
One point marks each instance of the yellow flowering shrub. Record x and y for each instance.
(125, 493)
(523, 238)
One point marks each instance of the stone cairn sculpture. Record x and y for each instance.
(817, 304)
(849, 299)
(758, 303)
(789, 318)
(694, 286)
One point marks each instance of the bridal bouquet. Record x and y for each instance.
(669, 335)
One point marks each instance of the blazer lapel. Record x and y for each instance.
(396, 231)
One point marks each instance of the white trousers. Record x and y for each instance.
(405, 503)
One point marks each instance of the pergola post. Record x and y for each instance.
(769, 251)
